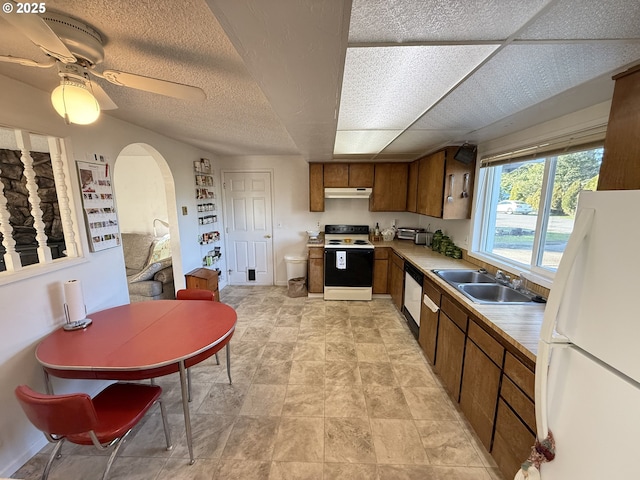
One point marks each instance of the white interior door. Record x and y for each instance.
(247, 210)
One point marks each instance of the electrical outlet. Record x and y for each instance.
(184, 211)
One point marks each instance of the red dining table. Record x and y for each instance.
(142, 340)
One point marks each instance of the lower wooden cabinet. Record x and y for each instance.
(381, 270)
(450, 355)
(396, 279)
(479, 391)
(316, 270)
(512, 442)
(428, 336)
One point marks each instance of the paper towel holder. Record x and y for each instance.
(78, 324)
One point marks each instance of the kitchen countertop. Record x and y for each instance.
(518, 325)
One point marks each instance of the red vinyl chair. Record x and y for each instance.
(201, 294)
(104, 421)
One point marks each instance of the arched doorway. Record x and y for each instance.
(145, 198)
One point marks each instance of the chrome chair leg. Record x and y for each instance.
(217, 359)
(54, 454)
(112, 457)
(165, 425)
(228, 347)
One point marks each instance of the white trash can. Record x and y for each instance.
(296, 266)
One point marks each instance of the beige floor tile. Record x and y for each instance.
(377, 374)
(296, 471)
(304, 400)
(288, 321)
(348, 440)
(309, 352)
(414, 375)
(284, 334)
(422, 472)
(278, 352)
(341, 373)
(340, 352)
(386, 402)
(311, 335)
(224, 399)
(178, 469)
(344, 401)
(397, 442)
(447, 444)
(371, 352)
(273, 373)
(264, 400)
(300, 439)
(307, 373)
(252, 438)
(336, 334)
(366, 335)
(364, 320)
(230, 469)
(349, 471)
(429, 403)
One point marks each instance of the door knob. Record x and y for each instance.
(267, 236)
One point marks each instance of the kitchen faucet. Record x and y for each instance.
(502, 278)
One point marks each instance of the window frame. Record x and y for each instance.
(484, 215)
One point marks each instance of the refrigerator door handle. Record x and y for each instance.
(581, 229)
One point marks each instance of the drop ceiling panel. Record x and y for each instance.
(520, 76)
(420, 141)
(389, 87)
(572, 19)
(438, 20)
(363, 141)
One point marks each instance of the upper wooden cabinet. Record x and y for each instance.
(445, 186)
(412, 187)
(389, 188)
(348, 175)
(316, 187)
(619, 170)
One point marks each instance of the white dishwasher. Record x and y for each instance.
(413, 279)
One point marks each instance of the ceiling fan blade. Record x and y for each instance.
(103, 99)
(154, 85)
(28, 62)
(39, 33)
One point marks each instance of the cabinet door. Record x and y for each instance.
(361, 175)
(479, 391)
(458, 182)
(389, 187)
(316, 270)
(396, 279)
(428, 335)
(431, 184)
(381, 270)
(336, 175)
(450, 355)
(316, 187)
(412, 187)
(512, 441)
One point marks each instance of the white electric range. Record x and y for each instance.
(348, 262)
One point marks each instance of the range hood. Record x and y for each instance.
(347, 192)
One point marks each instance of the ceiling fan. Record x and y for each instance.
(75, 49)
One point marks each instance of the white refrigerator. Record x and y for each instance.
(588, 363)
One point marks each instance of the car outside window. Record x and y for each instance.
(528, 208)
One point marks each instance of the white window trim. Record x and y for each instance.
(61, 155)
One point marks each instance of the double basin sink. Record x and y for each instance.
(481, 287)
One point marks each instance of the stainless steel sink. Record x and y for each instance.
(457, 276)
(493, 293)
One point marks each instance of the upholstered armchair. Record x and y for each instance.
(149, 268)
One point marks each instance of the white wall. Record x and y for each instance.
(32, 308)
(139, 202)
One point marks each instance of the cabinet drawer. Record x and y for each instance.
(487, 343)
(520, 374)
(430, 290)
(381, 253)
(520, 403)
(316, 252)
(454, 312)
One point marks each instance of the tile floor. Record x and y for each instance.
(321, 390)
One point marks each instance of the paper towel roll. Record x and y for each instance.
(74, 300)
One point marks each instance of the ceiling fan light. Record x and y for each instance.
(75, 103)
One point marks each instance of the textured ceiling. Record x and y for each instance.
(273, 70)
